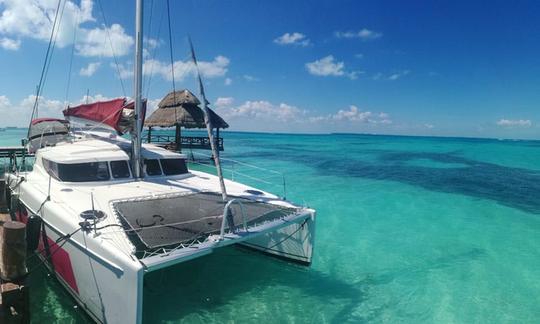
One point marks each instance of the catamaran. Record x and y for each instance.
(103, 211)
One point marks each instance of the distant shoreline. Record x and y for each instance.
(339, 134)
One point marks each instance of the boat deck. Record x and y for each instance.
(154, 222)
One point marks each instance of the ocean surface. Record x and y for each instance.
(409, 229)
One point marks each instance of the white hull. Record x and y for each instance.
(101, 270)
(293, 243)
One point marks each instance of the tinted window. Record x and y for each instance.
(51, 168)
(82, 172)
(151, 167)
(174, 166)
(120, 169)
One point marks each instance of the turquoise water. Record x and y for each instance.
(409, 229)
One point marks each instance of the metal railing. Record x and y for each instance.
(195, 142)
(228, 218)
(234, 170)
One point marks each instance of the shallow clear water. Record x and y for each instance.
(409, 229)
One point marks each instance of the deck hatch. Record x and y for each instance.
(164, 221)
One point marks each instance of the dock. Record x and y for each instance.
(15, 154)
(12, 151)
(186, 142)
(14, 294)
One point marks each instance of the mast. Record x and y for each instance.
(208, 122)
(137, 96)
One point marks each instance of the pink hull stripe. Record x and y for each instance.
(22, 215)
(61, 262)
(60, 258)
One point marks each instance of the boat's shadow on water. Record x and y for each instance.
(208, 289)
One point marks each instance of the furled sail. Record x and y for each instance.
(116, 114)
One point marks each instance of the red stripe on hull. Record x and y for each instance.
(22, 215)
(61, 262)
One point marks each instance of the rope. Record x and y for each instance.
(289, 236)
(48, 54)
(149, 32)
(151, 72)
(172, 61)
(171, 47)
(64, 239)
(54, 43)
(76, 28)
(112, 47)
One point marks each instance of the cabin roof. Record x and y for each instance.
(93, 150)
(182, 108)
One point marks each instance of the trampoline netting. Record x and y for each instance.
(165, 221)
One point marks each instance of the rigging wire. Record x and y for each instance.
(112, 47)
(149, 28)
(76, 28)
(171, 47)
(151, 67)
(54, 43)
(172, 67)
(48, 54)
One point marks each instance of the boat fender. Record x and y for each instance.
(13, 203)
(33, 230)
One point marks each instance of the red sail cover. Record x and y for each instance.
(106, 112)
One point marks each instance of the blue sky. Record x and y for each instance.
(450, 68)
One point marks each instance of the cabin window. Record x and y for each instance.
(151, 167)
(120, 169)
(78, 172)
(50, 167)
(174, 166)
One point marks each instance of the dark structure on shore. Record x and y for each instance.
(181, 109)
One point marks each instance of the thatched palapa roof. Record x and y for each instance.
(182, 108)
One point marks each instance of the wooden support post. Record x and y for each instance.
(14, 296)
(3, 202)
(12, 251)
(178, 138)
(149, 135)
(217, 141)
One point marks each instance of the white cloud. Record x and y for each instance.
(250, 78)
(328, 66)
(354, 115)
(257, 110)
(359, 55)
(151, 106)
(19, 113)
(397, 75)
(34, 20)
(224, 102)
(123, 71)
(363, 34)
(429, 126)
(514, 123)
(266, 110)
(209, 69)
(10, 44)
(391, 77)
(95, 42)
(90, 69)
(295, 38)
(227, 81)
(4, 102)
